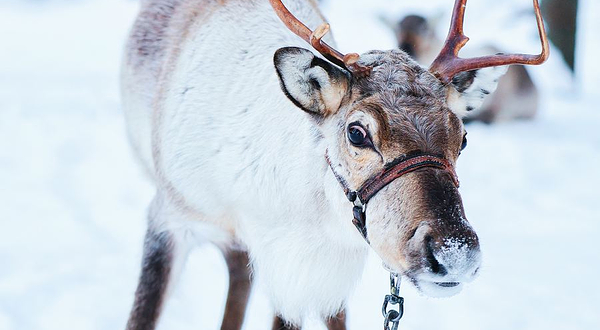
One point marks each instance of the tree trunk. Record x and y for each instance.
(561, 19)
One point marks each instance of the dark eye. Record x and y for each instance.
(357, 135)
(464, 142)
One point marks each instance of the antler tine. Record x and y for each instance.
(448, 64)
(348, 61)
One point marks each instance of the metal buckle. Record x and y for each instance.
(392, 316)
(358, 203)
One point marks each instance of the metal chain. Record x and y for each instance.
(392, 316)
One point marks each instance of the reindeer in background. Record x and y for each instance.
(277, 155)
(516, 96)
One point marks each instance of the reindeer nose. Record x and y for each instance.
(436, 267)
(448, 250)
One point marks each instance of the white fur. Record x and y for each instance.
(232, 152)
(472, 98)
(236, 162)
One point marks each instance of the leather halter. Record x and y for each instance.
(391, 172)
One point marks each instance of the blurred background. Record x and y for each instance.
(73, 201)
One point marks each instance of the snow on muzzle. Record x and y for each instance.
(418, 227)
(442, 262)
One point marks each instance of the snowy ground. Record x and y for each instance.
(72, 200)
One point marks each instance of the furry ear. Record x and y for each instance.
(469, 89)
(313, 84)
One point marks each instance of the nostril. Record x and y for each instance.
(434, 264)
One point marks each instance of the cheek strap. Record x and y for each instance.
(391, 172)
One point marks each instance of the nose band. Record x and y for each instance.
(391, 172)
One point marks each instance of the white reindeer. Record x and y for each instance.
(256, 144)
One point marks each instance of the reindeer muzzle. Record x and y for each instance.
(391, 172)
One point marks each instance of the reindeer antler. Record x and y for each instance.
(448, 64)
(348, 61)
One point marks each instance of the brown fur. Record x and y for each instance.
(280, 324)
(240, 283)
(156, 271)
(409, 106)
(337, 322)
(410, 114)
(149, 36)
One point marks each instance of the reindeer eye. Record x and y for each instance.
(357, 135)
(464, 142)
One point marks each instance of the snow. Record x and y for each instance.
(73, 199)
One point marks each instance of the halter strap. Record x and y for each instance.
(391, 172)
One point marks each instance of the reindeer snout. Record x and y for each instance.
(453, 257)
(449, 254)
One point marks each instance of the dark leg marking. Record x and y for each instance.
(240, 285)
(279, 324)
(337, 322)
(156, 270)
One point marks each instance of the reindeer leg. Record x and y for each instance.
(240, 284)
(279, 324)
(163, 256)
(337, 322)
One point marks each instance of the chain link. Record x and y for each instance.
(392, 316)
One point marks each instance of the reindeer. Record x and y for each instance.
(277, 155)
(516, 96)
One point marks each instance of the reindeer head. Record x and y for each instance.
(376, 113)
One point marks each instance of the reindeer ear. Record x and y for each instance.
(313, 84)
(469, 89)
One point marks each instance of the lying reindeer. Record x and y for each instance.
(516, 96)
(269, 151)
